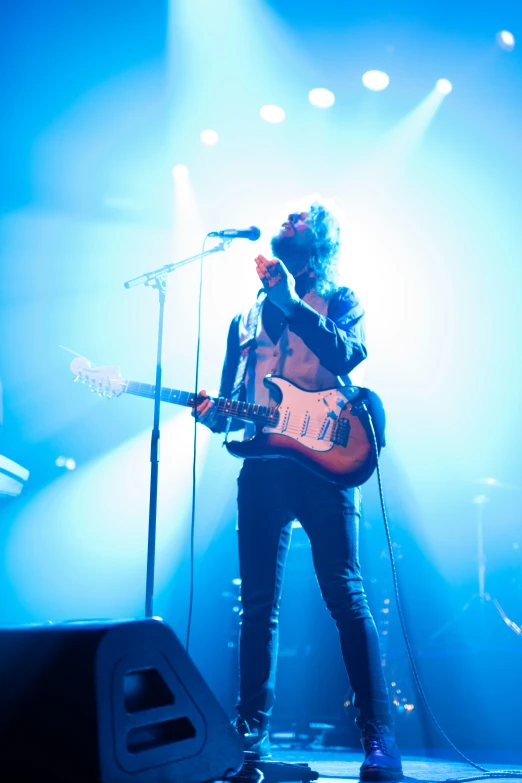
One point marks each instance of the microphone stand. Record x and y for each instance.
(158, 279)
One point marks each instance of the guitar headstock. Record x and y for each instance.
(106, 381)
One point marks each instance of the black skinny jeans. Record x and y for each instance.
(271, 494)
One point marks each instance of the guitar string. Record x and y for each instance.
(168, 397)
(293, 428)
(148, 391)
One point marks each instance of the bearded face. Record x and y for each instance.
(294, 243)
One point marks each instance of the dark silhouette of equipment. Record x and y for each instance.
(109, 702)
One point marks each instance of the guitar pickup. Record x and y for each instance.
(324, 429)
(305, 424)
(286, 419)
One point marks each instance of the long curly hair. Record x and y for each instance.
(324, 260)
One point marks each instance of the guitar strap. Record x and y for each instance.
(245, 346)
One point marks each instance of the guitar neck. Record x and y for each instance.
(246, 411)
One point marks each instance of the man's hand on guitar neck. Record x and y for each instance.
(279, 284)
(206, 412)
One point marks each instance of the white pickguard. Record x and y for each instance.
(310, 417)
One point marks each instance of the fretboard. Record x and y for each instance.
(247, 411)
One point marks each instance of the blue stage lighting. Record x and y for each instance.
(180, 172)
(321, 97)
(444, 86)
(272, 113)
(376, 80)
(209, 137)
(506, 40)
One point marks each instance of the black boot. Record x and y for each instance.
(383, 760)
(256, 741)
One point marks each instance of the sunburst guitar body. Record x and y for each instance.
(327, 431)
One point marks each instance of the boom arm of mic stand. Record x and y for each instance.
(150, 277)
(158, 279)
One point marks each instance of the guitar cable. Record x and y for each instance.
(487, 774)
(194, 456)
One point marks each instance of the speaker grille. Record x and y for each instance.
(157, 734)
(145, 689)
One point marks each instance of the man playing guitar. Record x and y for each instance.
(307, 329)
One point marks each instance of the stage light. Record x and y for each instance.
(376, 80)
(506, 40)
(321, 97)
(444, 86)
(272, 113)
(65, 462)
(180, 172)
(209, 137)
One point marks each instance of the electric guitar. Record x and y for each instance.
(330, 432)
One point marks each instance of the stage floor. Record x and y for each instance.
(341, 765)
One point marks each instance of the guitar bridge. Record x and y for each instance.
(341, 433)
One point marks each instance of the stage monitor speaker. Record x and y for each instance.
(108, 702)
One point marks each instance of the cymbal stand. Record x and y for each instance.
(482, 597)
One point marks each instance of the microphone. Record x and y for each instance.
(251, 233)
